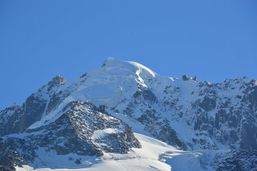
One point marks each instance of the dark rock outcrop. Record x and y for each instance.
(80, 129)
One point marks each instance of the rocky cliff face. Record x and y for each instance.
(82, 129)
(77, 117)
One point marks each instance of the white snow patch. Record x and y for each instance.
(101, 133)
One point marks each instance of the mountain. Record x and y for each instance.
(125, 116)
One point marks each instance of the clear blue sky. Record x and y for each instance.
(212, 39)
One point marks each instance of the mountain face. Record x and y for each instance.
(82, 129)
(99, 113)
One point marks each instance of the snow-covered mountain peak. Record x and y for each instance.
(98, 109)
(133, 67)
(114, 81)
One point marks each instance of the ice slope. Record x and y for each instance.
(113, 82)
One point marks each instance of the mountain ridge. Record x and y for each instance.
(185, 113)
